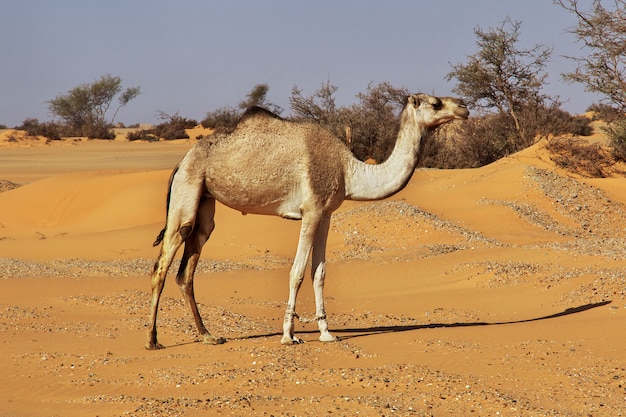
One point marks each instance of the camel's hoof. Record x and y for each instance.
(328, 338)
(154, 346)
(291, 340)
(212, 340)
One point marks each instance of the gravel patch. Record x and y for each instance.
(17, 268)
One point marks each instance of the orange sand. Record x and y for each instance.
(475, 303)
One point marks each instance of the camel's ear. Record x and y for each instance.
(435, 102)
(414, 100)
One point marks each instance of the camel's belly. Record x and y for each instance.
(256, 197)
(272, 183)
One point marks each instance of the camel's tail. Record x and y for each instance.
(159, 238)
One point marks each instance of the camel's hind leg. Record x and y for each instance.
(171, 243)
(181, 217)
(193, 247)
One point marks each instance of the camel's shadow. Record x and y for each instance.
(351, 333)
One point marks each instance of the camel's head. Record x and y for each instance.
(434, 111)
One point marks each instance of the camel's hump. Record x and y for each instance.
(256, 111)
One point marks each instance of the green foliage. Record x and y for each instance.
(98, 131)
(503, 78)
(484, 139)
(173, 127)
(504, 83)
(603, 111)
(144, 135)
(581, 157)
(368, 127)
(50, 130)
(84, 107)
(258, 97)
(602, 32)
(374, 121)
(476, 142)
(222, 118)
(320, 108)
(580, 126)
(547, 121)
(616, 133)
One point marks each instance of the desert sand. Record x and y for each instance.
(497, 291)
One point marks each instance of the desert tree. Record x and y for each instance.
(505, 81)
(500, 75)
(84, 108)
(602, 32)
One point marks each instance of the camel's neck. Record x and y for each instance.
(375, 182)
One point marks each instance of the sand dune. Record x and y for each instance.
(471, 292)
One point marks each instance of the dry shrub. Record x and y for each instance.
(486, 138)
(471, 144)
(96, 131)
(49, 130)
(581, 157)
(603, 111)
(6, 185)
(616, 133)
(143, 134)
(222, 118)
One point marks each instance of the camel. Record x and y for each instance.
(295, 170)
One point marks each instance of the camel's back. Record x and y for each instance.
(270, 162)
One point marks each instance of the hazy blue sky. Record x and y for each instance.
(192, 57)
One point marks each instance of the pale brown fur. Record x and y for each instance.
(268, 165)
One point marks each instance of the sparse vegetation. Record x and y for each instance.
(173, 127)
(616, 133)
(84, 108)
(579, 126)
(221, 118)
(227, 117)
(50, 130)
(503, 78)
(141, 135)
(602, 32)
(369, 127)
(603, 111)
(258, 97)
(581, 157)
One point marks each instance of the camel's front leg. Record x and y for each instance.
(319, 274)
(307, 234)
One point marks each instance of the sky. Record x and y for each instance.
(192, 57)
